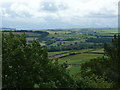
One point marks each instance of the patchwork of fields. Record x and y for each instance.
(76, 46)
(74, 61)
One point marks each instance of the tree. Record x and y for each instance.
(75, 43)
(27, 65)
(0, 59)
(113, 52)
(105, 67)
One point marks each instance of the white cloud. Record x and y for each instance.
(69, 11)
(79, 8)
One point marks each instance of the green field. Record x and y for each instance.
(85, 56)
(74, 70)
(59, 52)
(79, 58)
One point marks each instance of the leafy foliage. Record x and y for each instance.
(105, 67)
(92, 82)
(27, 65)
(113, 51)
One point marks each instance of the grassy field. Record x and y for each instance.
(79, 58)
(59, 52)
(69, 51)
(74, 70)
(99, 50)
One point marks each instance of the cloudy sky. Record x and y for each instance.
(39, 14)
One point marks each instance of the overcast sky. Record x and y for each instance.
(38, 14)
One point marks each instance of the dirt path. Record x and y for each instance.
(55, 56)
(69, 66)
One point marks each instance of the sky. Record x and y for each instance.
(56, 14)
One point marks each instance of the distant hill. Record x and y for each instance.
(8, 28)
